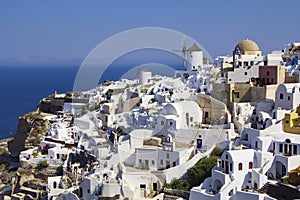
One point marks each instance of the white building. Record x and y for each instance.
(283, 146)
(237, 170)
(157, 154)
(194, 58)
(75, 109)
(180, 115)
(62, 132)
(287, 96)
(101, 183)
(162, 90)
(59, 153)
(140, 184)
(145, 77)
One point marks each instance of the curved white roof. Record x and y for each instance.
(179, 107)
(240, 155)
(265, 115)
(289, 87)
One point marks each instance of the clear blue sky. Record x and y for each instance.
(70, 29)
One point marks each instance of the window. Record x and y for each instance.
(289, 98)
(280, 148)
(161, 162)
(222, 163)
(236, 94)
(206, 115)
(152, 162)
(280, 96)
(142, 186)
(171, 123)
(240, 166)
(191, 119)
(147, 163)
(245, 73)
(230, 167)
(155, 187)
(256, 144)
(54, 184)
(162, 123)
(238, 111)
(285, 148)
(168, 164)
(295, 150)
(140, 161)
(230, 193)
(226, 156)
(251, 63)
(267, 73)
(80, 191)
(250, 165)
(168, 155)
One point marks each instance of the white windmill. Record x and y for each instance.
(192, 57)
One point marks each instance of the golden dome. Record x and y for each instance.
(246, 46)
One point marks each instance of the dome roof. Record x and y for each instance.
(247, 45)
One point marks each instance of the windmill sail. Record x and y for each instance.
(183, 51)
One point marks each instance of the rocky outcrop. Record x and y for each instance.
(51, 105)
(30, 129)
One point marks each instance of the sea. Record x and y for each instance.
(22, 87)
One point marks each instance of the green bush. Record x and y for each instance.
(59, 170)
(178, 184)
(202, 170)
(42, 164)
(216, 152)
(153, 100)
(198, 173)
(6, 186)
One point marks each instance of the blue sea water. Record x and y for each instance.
(23, 87)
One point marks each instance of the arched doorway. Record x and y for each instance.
(217, 185)
(280, 169)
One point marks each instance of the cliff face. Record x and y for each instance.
(31, 127)
(49, 105)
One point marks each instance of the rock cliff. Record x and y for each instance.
(30, 129)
